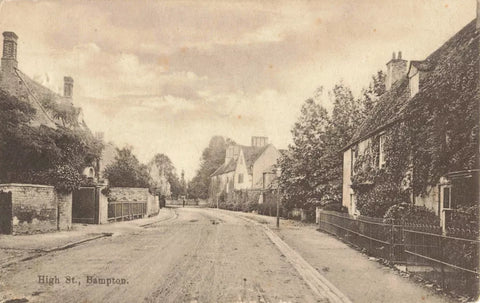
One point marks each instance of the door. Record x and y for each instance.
(85, 208)
(5, 212)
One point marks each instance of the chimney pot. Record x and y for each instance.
(9, 58)
(67, 87)
(393, 56)
(396, 70)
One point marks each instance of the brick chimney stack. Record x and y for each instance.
(259, 141)
(396, 69)
(9, 58)
(67, 87)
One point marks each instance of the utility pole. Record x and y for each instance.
(277, 173)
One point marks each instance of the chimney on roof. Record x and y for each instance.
(259, 141)
(67, 87)
(396, 69)
(9, 58)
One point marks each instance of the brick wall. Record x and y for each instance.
(34, 208)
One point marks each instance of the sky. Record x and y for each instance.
(165, 76)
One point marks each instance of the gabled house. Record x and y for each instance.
(452, 70)
(47, 103)
(245, 167)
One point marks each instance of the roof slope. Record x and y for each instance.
(456, 55)
(225, 168)
(250, 153)
(21, 86)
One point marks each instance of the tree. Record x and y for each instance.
(165, 165)
(212, 158)
(127, 171)
(302, 180)
(370, 95)
(346, 117)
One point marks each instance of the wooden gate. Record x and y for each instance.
(85, 207)
(5, 212)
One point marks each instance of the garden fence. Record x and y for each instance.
(126, 210)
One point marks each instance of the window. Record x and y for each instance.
(447, 198)
(240, 178)
(381, 151)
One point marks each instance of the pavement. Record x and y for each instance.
(359, 277)
(204, 255)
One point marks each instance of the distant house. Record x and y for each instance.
(415, 82)
(245, 167)
(43, 100)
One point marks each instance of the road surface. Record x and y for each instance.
(196, 255)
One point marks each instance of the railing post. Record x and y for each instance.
(442, 269)
(392, 241)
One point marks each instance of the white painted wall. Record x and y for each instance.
(264, 163)
(347, 181)
(242, 169)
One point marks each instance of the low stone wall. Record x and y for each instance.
(128, 194)
(131, 194)
(38, 208)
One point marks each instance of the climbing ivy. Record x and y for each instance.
(435, 133)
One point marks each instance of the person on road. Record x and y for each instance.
(183, 202)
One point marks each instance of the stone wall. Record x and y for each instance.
(128, 194)
(64, 211)
(34, 208)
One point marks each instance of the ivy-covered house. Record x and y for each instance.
(419, 145)
(56, 133)
(52, 109)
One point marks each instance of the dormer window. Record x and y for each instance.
(414, 81)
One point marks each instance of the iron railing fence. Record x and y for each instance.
(126, 210)
(449, 259)
(450, 262)
(379, 239)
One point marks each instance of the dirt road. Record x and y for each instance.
(198, 256)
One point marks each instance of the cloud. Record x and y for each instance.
(166, 76)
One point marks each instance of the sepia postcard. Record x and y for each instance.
(240, 151)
